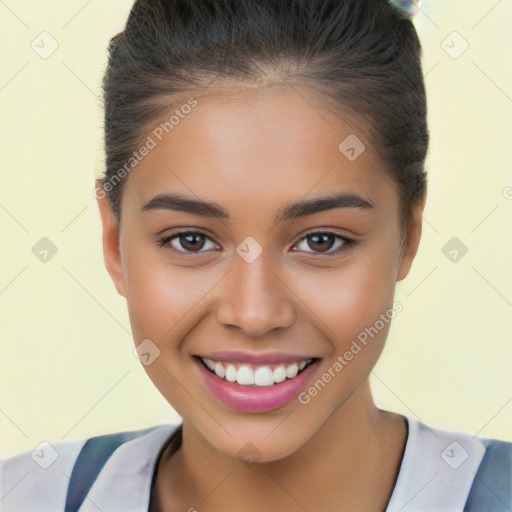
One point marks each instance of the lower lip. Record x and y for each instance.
(256, 399)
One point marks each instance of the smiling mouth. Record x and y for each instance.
(252, 375)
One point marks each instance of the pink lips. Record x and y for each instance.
(256, 399)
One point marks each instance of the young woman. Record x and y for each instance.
(262, 197)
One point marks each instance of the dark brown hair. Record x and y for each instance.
(358, 55)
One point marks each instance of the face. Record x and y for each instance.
(253, 290)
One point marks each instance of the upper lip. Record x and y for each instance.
(255, 358)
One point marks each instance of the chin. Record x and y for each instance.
(254, 444)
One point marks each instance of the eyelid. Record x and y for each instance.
(327, 231)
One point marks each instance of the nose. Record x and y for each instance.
(254, 298)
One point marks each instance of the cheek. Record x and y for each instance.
(158, 295)
(350, 299)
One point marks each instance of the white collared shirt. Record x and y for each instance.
(436, 473)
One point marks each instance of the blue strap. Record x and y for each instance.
(90, 461)
(491, 489)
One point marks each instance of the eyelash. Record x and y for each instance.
(347, 242)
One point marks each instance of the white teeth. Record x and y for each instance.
(231, 373)
(263, 376)
(210, 363)
(245, 375)
(219, 370)
(279, 374)
(292, 370)
(253, 375)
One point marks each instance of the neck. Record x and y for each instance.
(350, 463)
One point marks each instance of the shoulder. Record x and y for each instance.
(446, 470)
(38, 479)
(488, 463)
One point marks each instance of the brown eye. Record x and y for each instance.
(187, 242)
(322, 242)
(191, 242)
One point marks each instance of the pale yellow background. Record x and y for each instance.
(67, 367)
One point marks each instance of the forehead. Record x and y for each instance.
(243, 149)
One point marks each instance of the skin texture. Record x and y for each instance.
(253, 155)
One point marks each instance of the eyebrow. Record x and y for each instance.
(179, 202)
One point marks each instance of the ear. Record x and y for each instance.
(111, 252)
(412, 239)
